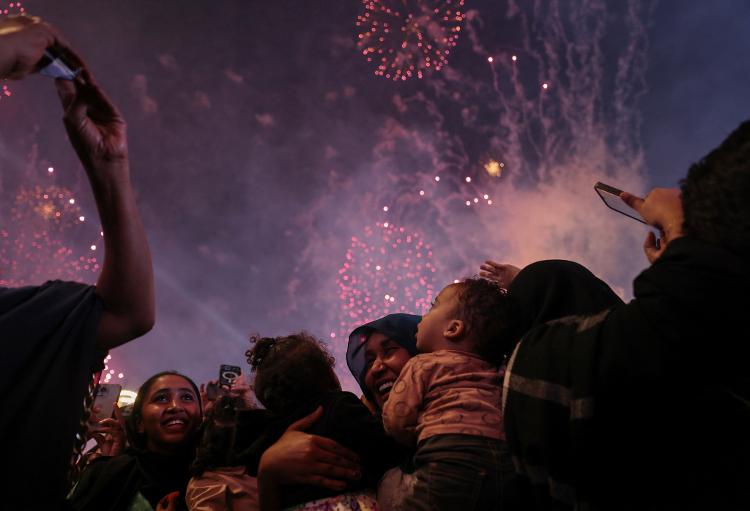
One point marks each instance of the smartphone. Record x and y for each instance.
(227, 375)
(107, 395)
(611, 198)
(57, 64)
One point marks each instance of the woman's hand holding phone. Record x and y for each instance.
(109, 434)
(661, 208)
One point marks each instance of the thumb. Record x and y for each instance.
(652, 248)
(306, 422)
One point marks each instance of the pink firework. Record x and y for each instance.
(407, 38)
(37, 246)
(388, 269)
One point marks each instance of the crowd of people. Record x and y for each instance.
(522, 389)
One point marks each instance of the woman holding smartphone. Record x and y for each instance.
(153, 473)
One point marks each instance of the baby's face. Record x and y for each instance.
(430, 330)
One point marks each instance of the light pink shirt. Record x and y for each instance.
(444, 392)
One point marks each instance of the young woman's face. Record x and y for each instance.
(384, 358)
(170, 415)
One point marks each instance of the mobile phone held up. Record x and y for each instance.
(56, 63)
(227, 375)
(611, 198)
(107, 395)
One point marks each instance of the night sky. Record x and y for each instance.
(264, 152)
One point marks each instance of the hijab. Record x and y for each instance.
(400, 328)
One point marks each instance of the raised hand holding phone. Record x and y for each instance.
(662, 209)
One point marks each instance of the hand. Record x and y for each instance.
(301, 459)
(95, 127)
(662, 208)
(168, 502)
(205, 401)
(241, 389)
(23, 40)
(501, 273)
(110, 434)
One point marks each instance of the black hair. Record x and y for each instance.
(715, 194)
(136, 439)
(290, 371)
(483, 307)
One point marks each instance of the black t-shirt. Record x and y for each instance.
(47, 336)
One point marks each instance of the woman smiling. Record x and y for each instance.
(154, 472)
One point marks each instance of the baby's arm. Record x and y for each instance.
(401, 410)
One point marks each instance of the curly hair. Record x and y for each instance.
(483, 307)
(715, 194)
(290, 371)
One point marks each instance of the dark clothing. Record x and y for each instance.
(460, 472)
(111, 483)
(553, 289)
(49, 356)
(644, 405)
(346, 420)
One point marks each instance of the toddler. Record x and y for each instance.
(447, 401)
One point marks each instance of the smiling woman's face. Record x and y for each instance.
(384, 358)
(170, 415)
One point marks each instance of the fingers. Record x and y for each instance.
(306, 422)
(652, 248)
(493, 264)
(335, 453)
(326, 482)
(118, 416)
(67, 92)
(327, 475)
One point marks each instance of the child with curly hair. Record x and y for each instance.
(447, 401)
(293, 377)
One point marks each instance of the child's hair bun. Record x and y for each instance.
(262, 346)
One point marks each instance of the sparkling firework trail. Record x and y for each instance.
(388, 269)
(407, 38)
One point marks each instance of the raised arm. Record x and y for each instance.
(97, 132)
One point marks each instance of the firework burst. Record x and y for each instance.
(37, 245)
(407, 38)
(388, 269)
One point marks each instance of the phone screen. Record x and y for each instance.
(107, 395)
(611, 197)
